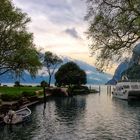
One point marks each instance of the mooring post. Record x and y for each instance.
(99, 89)
(90, 87)
(107, 89)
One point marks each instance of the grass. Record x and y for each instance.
(15, 93)
(17, 90)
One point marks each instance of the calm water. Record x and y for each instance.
(90, 117)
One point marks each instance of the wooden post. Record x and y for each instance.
(107, 89)
(99, 89)
(90, 87)
(44, 92)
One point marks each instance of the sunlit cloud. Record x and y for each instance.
(59, 26)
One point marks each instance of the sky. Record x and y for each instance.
(59, 26)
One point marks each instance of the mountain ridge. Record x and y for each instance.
(93, 76)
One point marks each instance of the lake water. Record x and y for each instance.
(88, 117)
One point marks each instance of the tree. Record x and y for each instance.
(70, 74)
(17, 51)
(44, 84)
(114, 28)
(17, 84)
(51, 61)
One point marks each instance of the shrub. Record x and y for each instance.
(0, 101)
(28, 94)
(56, 92)
(10, 97)
(75, 90)
(17, 84)
(94, 91)
(44, 84)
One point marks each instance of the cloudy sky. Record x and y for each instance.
(59, 26)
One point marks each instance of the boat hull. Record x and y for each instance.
(134, 95)
(128, 95)
(19, 116)
(120, 95)
(127, 90)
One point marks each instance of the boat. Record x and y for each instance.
(127, 90)
(19, 116)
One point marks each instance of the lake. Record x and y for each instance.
(88, 117)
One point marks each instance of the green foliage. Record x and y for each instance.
(76, 90)
(17, 84)
(27, 59)
(0, 101)
(17, 90)
(51, 61)
(17, 51)
(10, 97)
(93, 91)
(28, 94)
(15, 93)
(44, 84)
(70, 74)
(57, 92)
(114, 28)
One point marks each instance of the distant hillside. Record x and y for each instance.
(93, 76)
(118, 72)
(126, 65)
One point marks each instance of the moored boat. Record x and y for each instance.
(19, 116)
(127, 90)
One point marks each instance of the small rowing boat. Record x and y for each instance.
(19, 116)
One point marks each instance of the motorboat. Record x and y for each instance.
(19, 116)
(127, 90)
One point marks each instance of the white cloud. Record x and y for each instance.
(95, 78)
(89, 72)
(50, 18)
(43, 72)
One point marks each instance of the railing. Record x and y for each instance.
(132, 80)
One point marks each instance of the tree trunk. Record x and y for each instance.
(44, 92)
(49, 80)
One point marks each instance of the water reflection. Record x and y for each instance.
(17, 132)
(129, 114)
(80, 118)
(134, 103)
(70, 109)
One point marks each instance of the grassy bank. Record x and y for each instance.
(15, 93)
(18, 90)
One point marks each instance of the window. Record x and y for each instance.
(134, 86)
(126, 86)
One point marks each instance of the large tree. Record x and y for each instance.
(70, 74)
(17, 51)
(51, 62)
(114, 28)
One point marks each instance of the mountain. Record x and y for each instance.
(93, 76)
(125, 65)
(118, 72)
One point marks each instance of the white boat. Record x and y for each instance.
(19, 116)
(127, 90)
